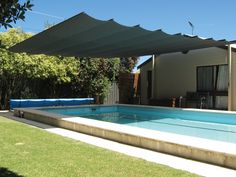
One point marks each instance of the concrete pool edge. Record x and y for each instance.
(158, 141)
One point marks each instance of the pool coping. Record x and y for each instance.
(210, 151)
(142, 106)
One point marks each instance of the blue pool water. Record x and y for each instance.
(209, 125)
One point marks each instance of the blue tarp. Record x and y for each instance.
(16, 103)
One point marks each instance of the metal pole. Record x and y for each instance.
(230, 78)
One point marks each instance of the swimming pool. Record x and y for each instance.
(220, 126)
(207, 136)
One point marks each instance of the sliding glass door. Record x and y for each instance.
(214, 80)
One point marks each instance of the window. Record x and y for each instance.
(212, 78)
(205, 79)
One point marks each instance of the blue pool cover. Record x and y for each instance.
(17, 103)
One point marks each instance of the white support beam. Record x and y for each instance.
(230, 78)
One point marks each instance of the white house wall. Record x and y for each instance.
(176, 73)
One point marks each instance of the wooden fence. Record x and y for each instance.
(126, 91)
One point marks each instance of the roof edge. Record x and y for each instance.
(144, 63)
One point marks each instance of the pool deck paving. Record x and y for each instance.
(192, 166)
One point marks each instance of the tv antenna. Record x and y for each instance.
(192, 26)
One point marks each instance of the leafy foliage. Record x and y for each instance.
(13, 10)
(96, 75)
(127, 64)
(25, 76)
(40, 76)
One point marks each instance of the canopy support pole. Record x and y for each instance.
(230, 78)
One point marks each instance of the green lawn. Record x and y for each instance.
(27, 151)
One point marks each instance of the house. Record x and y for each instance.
(195, 78)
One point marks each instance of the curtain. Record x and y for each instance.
(222, 85)
(223, 78)
(205, 78)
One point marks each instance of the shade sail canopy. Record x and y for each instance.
(84, 36)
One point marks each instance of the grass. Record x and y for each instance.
(28, 151)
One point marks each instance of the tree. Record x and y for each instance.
(96, 76)
(12, 10)
(127, 64)
(40, 76)
(31, 76)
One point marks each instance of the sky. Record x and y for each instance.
(211, 18)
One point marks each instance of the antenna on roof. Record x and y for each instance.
(191, 25)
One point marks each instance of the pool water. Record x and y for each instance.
(209, 125)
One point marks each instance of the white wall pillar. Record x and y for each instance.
(230, 89)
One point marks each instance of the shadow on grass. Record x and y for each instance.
(5, 172)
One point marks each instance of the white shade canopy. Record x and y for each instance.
(84, 36)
